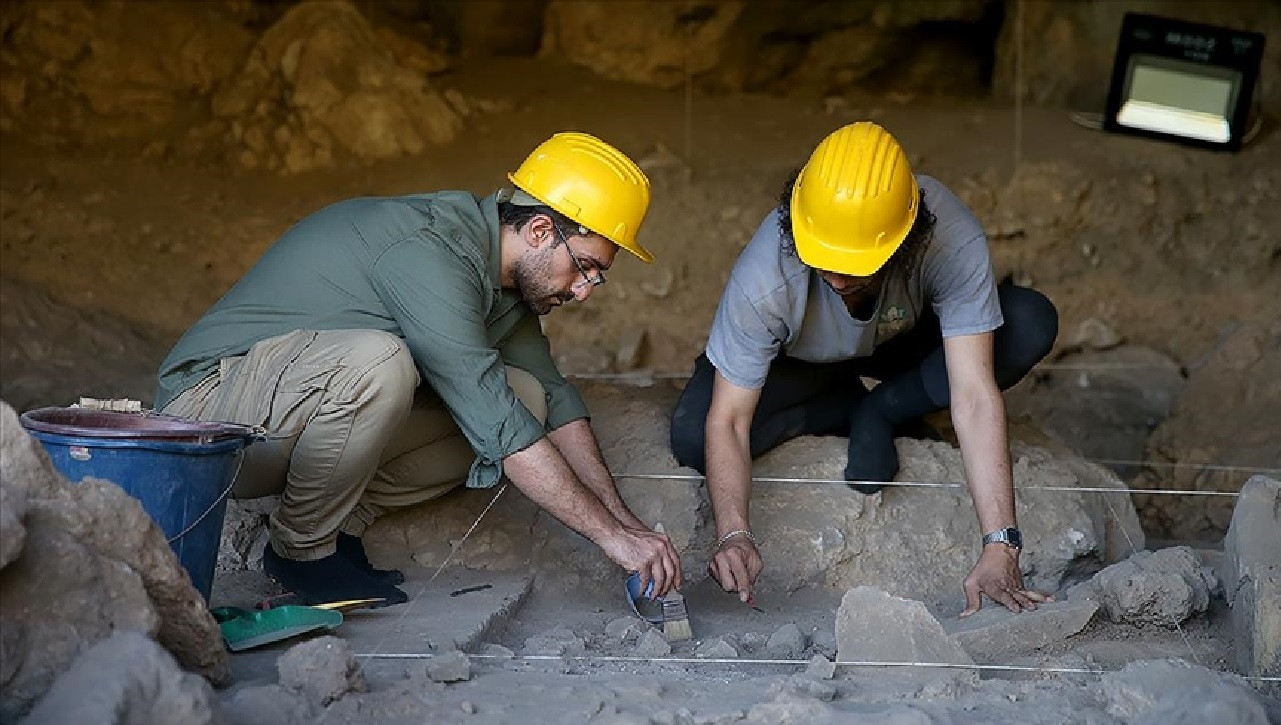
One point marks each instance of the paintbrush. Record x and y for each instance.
(675, 617)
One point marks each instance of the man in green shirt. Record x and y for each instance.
(391, 347)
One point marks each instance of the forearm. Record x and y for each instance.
(578, 445)
(979, 418)
(543, 474)
(729, 475)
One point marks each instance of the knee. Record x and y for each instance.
(1031, 321)
(380, 369)
(529, 391)
(687, 436)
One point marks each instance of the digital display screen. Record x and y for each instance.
(1198, 88)
(1172, 96)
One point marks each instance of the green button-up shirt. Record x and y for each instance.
(426, 268)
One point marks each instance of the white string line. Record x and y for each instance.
(930, 484)
(409, 606)
(749, 661)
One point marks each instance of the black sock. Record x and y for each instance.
(330, 579)
(353, 549)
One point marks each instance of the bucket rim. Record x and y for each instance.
(169, 427)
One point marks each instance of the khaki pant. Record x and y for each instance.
(351, 432)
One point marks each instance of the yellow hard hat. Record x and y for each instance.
(590, 182)
(854, 201)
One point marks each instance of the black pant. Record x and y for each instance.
(801, 398)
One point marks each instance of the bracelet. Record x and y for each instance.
(732, 534)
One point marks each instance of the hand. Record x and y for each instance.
(997, 576)
(736, 565)
(649, 554)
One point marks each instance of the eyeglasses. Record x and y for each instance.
(596, 281)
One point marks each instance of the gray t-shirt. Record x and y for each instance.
(773, 302)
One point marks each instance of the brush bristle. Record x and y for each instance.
(675, 619)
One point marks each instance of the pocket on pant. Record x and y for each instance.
(294, 403)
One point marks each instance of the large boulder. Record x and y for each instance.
(1253, 578)
(91, 563)
(124, 679)
(320, 85)
(917, 543)
(1160, 588)
(99, 70)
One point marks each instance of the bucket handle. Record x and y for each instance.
(240, 461)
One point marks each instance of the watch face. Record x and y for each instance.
(1016, 538)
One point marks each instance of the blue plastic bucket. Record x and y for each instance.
(180, 470)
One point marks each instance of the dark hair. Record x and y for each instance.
(517, 216)
(902, 263)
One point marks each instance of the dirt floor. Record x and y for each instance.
(107, 256)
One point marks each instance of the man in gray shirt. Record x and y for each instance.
(391, 348)
(864, 269)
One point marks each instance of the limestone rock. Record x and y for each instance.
(994, 632)
(125, 67)
(874, 626)
(323, 669)
(268, 705)
(652, 644)
(1164, 691)
(451, 666)
(787, 642)
(13, 506)
(1253, 586)
(127, 678)
(93, 563)
(657, 44)
(1163, 587)
(321, 84)
(716, 648)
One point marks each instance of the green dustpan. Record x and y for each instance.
(245, 628)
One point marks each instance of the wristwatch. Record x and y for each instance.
(1009, 536)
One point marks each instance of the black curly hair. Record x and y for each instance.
(905, 260)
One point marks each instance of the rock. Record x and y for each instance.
(824, 641)
(821, 668)
(245, 534)
(623, 629)
(786, 643)
(804, 687)
(325, 75)
(755, 641)
(123, 679)
(631, 349)
(653, 44)
(874, 626)
(93, 564)
(652, 644)
(1175, 691)
(323, 669)
(268, 705)
(789, 707)
(1095, 334)
(13, 506)
(716, 648)
(451, 666)
(556, 641)
(1163, 587)
(994, 632)
(1253, 578)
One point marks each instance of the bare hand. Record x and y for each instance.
(650, 554)
(997, 576)
(736, 565)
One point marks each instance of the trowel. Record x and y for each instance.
(244, 629)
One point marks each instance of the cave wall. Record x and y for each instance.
(270, 83)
